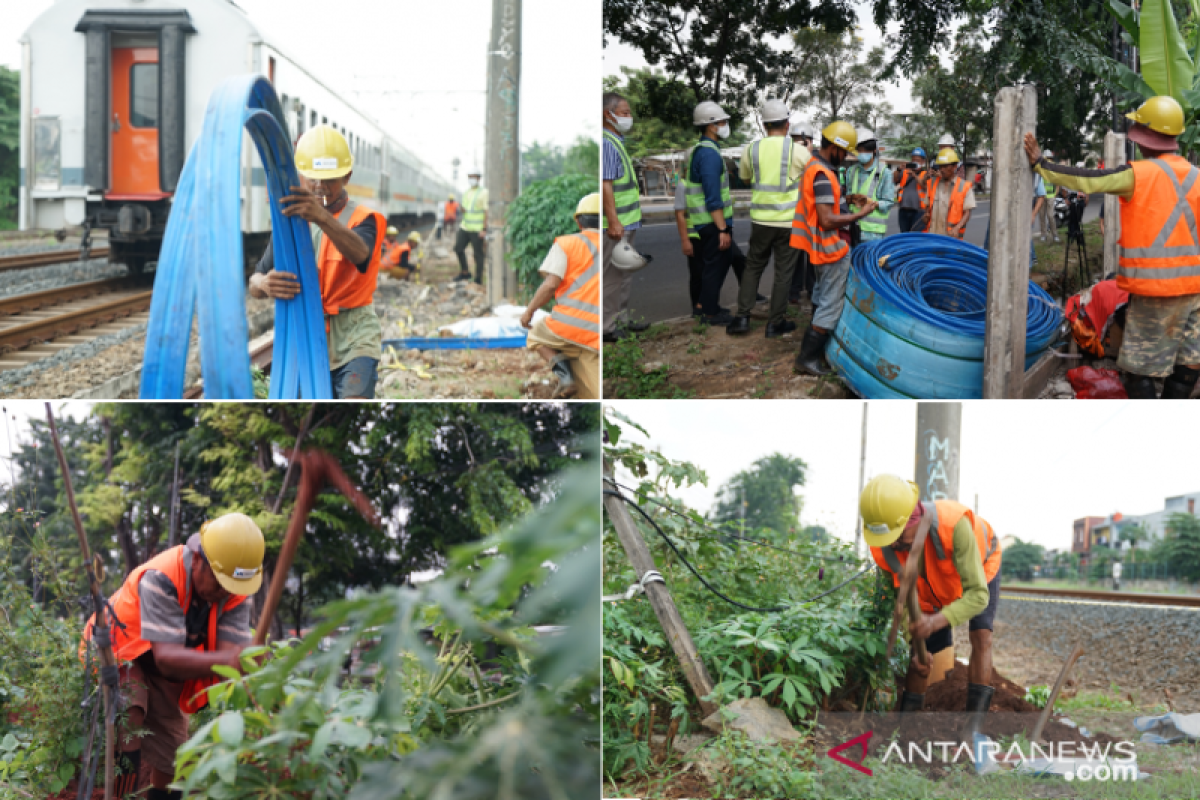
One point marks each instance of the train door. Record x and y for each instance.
(135, 106)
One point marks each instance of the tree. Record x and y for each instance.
(1020, 558)
(662, 111)
(10, 115)
(767, 490)
(957, 99)
(541, 161)
(721, 49)
(1134, 534)
(827, 77)
(1180, 546)
(909, 131)
(542, 212)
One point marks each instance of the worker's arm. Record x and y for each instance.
(267, 282)
(886, 195)
(1118, 181)
(306, 205)
(968, 561)
(829, 220)
(615, 229)
(681, 225)
(613, 168)
(179, 663)
(708, 165)
(745, 168)
(543, 295)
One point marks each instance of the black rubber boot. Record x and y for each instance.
(164, 794)
(811, 358)
(739, 326)
(561, 367)
(1180, 383)
(910, 701)
(979, 697)
(775, 330)
(1140, 387)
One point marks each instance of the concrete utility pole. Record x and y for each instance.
(1008, 260)
(939, 426)
(1114, 156)
(502, 173)
(659, 597)
(862, 470)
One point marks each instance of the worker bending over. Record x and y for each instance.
(470, 231)
(1159, 253)
(949, 199)
(402, 261)
(569, 337)
(182, 613)
(347, 244)
(816, 229)
(958, 579)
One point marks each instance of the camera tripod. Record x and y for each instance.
(1075, 207)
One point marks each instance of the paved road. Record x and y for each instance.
(660, 290)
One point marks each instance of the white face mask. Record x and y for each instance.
(623, 123)
(723, 131)
(473, 181)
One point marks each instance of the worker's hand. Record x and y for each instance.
(686, 246)
(859, 200)
(927, 625)
(867, 206)
(304, 204)
(726, 241)
(915, 665)
(615, 230)
(955, 231)
(280, 285)
(234, 657)
(527, 318)
(1032, 151)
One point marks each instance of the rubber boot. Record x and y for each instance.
(979, 698)
(739, 326)
(1180, 383)
(1140, 387)
(561, 367)
(910, 701)
(164, 794)
(775, 330)
(810, 360)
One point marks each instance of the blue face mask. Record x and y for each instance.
(865, 158)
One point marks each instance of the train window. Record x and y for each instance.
(143, 95)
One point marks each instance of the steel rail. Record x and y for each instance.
(29, 260)
(19, 304)
(45, 330)
(1181, 600)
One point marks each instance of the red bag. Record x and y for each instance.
(1096, 384)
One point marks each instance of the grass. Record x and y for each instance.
(625, 376)
(1127, 586)
(1050, 257)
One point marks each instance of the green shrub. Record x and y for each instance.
(544, 211)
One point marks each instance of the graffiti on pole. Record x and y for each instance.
(941, 461)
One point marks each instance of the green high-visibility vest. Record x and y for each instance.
(625, 188)
(698, 214)
(474, 209)
(774, 198)
(867, 184)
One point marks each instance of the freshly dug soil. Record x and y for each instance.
(950, 694)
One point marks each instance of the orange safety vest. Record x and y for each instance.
(126, 603)
(342, 285)
(822, 246)
(907, 176)
(397, 250)
(941, 584)
(958, 197)
(576, 314)
(451, 210)
(1160, 256)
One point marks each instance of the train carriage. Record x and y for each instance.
(113, 94)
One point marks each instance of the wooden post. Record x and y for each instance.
(1008, 260)
(1114, 156)
(659, 596)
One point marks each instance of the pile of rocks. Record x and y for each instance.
(413, 309)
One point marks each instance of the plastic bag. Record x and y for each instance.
(1096, 384)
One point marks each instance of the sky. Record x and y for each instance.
(420, 69)
(1035, 466)
(899, 94)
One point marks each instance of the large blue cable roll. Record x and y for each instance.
(914, 317)
(200, 266)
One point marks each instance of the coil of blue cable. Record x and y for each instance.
(914, 317)
(200, 266)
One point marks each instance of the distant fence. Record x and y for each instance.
(1101, 572)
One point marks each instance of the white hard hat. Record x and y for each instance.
(774, 111)
(799, 129)
(946, 141)
(865, 135)
(707, 113)
(626, 259)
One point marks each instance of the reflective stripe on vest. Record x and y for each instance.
(625, 188)
(1167, 265)
(775, 200)
(474, 211)
(876, 221)
(342, 285)
(576, 312)
(823, 247)
(698, 213)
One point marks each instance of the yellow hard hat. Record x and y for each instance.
(234, 547)
(414, 236)
(323, 153)
(451, 197)
(885, 504)
(843, 135)
(1161, 114)
(392, 230)
(590, 204)
(947, 156)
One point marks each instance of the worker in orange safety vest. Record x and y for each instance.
(180, 614)
(568, 338)
(949, 200)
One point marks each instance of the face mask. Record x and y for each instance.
(723, 131)
(865, 158)
(473, 181)
(623, 123)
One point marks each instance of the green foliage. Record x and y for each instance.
(759, 769)
(1180, 547)
(1164, 58)
(10, 114)
(543, 212)
(662, 111)
(541, 162)
(626, 377)
(961, 103)
(767, 492)
(831, 77)
(1021, 558)
(1038, 695)
(430, 721)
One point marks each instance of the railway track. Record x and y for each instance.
(28, 260)
(1181, 600)
(260, 357)
(36, 325)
